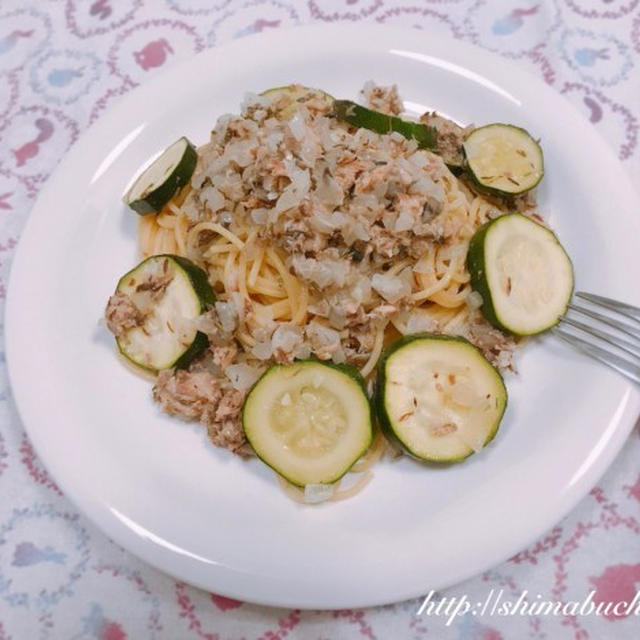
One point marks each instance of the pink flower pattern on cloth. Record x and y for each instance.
(62, 63)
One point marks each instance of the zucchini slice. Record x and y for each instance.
(163, 295)
(285, 100)
(438, 397)
(309, 421)
(360, 116)
(522, 272)
(163, 178)
(450, 136)
(503, 159)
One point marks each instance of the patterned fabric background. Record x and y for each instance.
(62, 63)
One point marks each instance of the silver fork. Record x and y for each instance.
(605, 314)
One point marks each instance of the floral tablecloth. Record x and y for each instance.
(62, 64)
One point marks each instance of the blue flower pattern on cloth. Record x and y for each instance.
(95, 625)
(62, 77)
(513, 20)
(256, 27)
(62, 64)
(43, 552)
(24, 32)
(588, 57)
(600, 59)
(27, 554)
(9, 41)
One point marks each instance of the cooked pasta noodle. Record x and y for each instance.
(260, 275)
(258, 269)
(362, 468)
(238, 261)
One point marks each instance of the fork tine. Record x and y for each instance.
(614, 324)
(624, 366)
(622, 308)
(629, 347)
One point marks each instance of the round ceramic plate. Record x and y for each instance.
(157, 487)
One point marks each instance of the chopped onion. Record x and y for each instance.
(474, 300)
(253, 100)
(339, 356)
(295, 192)
(324, 340)
(321, 308)
(355, 230)
(262, 350)
(329, 192)
(315, 493)
(212, 198)
(302, 351)
(286, 337)
(260, 216)
(323, 273)
(392, 288)
(419, 321)
(389, 219)
(297, 126)
(273, 140)
(424, 265)
(239, 152)
(242, 375)
(404, 221)
(419, 158)
(337, 319)
(227, 314)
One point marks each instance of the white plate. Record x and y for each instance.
(160, 490)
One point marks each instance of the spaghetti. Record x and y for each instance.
(237, 261)
(334, 240)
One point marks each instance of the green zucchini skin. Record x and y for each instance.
(448, 131)
(295, 89)
(199, 344)
(379, 395)
(206, 296)
(457, 169)
(200, 283)
(476, 266)
(345, 369)
(198, 278)
(155, 200)
(360, 116)
(293, 92)
(487, 189)
(354, 374)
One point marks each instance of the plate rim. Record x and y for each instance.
(154, 552)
